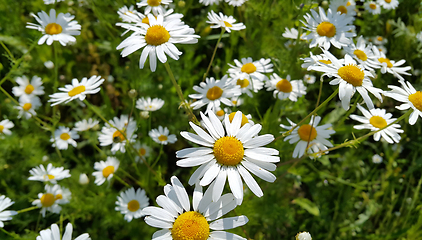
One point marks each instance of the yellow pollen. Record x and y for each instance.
(154, 3)
(214, 93)
(1, 128)
(49, 176)
(244, 118)
(307, 133)
(27, 106)
(242, 83)
(59, 196)
(386, 60)
(157, 35)
(348, 3)
(118, 134)
(77, 90)
(29, 88)
(352, 74)
(360, 54)
(234, 102)
(228, 151)
(416, 100)
(64, 136)
(220, 113)
(142, 151)
(387, 1)
(47, 200)
(377, 121)
(133, 206)
(372, 6)
(342, 9)
(325, 61)
(326, 29)
(162, 138)
(379, 38)
(284, 86)
(53, 28)
(227, 24)
(145, 20)
(248, 68)
(190, 226)
(107, 171)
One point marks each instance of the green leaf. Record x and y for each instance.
(307, 205)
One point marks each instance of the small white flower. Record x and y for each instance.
(131, 203)
(27, 106)
(388, 4)
(343, 7)
(161, 136)
(223, 21)
(246, 83)
(379, 40)
(236, 3)
(5, 126)
(285, 88)
(54, 234)
(105, 170)
(117, 136)
(5, 202)
(83, 179)
(372, 7)
(255, 69)
(390, 66)
(143, 150)
(146, 104)
(63, 136)
(85, 125)
(50, 200)
(309, 79)
(46, 2)
(209, 2)
(125, 11)
(28, 89)
(377, 159)
(156, 6)
(363, 54)
(51, 174)
(49, 64)
(303, 236)
(315, 60)
(292, 33)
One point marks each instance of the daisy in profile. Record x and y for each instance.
(125, 11)
(303, 236)
(410, 98)
(54, 234)
(229, 151)
(47, 2)
(379, 40)
(372, 7)
(391, 66)
(343, 7)
(375, 119)
(363, 54)
(143, 150)
(63, 136)
(156, 6)
(105, 170)
(27, 106)
(246, 83)
(388, 4)
(50, 175)
(214, 92)
(179, 221)
(315, 60)
(50, 200)
(5, 126)
(77, 90)
(309, 137)
(26, 88)
(131, 202)
(209, 2)
(255, 69)
(285, 88)
(161, 135)
(61, 28)
(236, 3)
(292, 33)
(222, 21)
(327, 29)
(5, 202)
(122, 130)
(220, 113)
(148, 104)
(309, 79)
(85, 125)
(245, 119)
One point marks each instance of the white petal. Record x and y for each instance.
(229, 223)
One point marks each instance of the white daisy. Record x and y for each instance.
(158, 38)
(315, 60)
(178, 221)
(131, 202)
(28, 89)
(50, 200)
(236, 3)
(113, 135)
(236, 101)
(303, 236)
(51, 174)
(246, 83)
(292, 33)
(161, 136)
(255, 69)
(213, 92)
(309, 79)
(27, 106)
(228, 152)
(47, 2)
(156, 6)
(209, 2)
(85, 125)
(409, 97)
(63, 136)
(245, 118)
(343, 7)
(309, 137)
(60, 28)
(377, 159)
(143, 150)
(223, 21)
(372, 7)
(363, 54)
(135, 19)
(221, 113)
(390, 66)
(105, 170)
(375, 119)
(77, 90)
(388, 4)
(285, 88)
(125, 11)
(379, 40)
(5, 202)
(328, 29)
(5, 126)
(54, 234)
(146, 104)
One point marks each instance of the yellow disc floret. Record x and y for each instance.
(1, 128)
(157, 35)
(53, 28)
(77, 90)
(133, 205)
(228, 151)
(386, 60)
(352, 74)
(342, 9)
(244, 118)
(145, 20)
(29, 88)
(49, 176)
(27, 106)
(190, 226)
(154, 3)
(142, 151)
(227, 24)
(387, 1)
(284, 86)
(377, 121)
(162, 138)
(107, 171)
(248, 68)
(220, 113)
(372, 6)
(416, 100)
(325, 61)
(307, 132)
(360, 54)
(65, 136)
(214, 93)
(242, 83)
(47, 200)
(326, 29)
(118, 134)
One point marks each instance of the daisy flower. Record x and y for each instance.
(143, 150)
(247, 84)
(213, 92)
(125, 11)
(314, 60)
(236, 3)
(377, 159)
(5, 202)
(51, 174)
(112, 135)
(46, 2)
(375, 119)
(27, 89)
(158, 38)
(85, 125)
(237, 101)
(379, 40)
(209, 2)
(350, 78)
(161, 135)
(363, 54)
(131, 202)
(292, 33)
(309, 137)
(343, 6)
(410, 98)
(245, 118)
(255, 69)
(54, 234)
(27, 106)
(285, 88)
(77, 90)
(391, 66)
(5, 126)
(63, 136)
(105, 170)
(146, 104)
(388, 4)
(60, 28)
(223, 21)
(309, 79)
(229, 151)
(179, 221)
(50, 200)
(156, 6)
(372, 7)
(327, 29)
(303, 236)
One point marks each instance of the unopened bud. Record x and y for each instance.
(144, 114)
(181, 3)
(83, 179)
(303, 236)
(132, 93)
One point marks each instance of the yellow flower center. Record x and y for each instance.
(133, 205)
(352, 74)
(59, 196)
(360, 54)
(162, 138)
(386, 60)
(326, 29)
(248, 68)
(107, 171)
(157, 35)
(228, 151)
(325, 61)
(227, 24)
(284, 86)
(387, 1)
(342, 9)
(154, 3)
(379, 38)
(416, 100)
(307, 133)
(118, 136)
(372, 6)
(234, 102)
(220, 113)
(77, 90)
(29, 88)
(47, 200)
(214, 93)
(64, 136)
(377, 121)
(53, 28)
(348, 3)
(1, 128)
(244, 118)
(243, 83)
(145, 20)
(49, 176)
(190, 226)
(142, 151)
(27, 106)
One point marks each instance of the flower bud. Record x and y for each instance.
(83, 179)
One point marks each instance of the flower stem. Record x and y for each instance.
(27, 209)
(159, 155)
(213, 54)
(121, 180)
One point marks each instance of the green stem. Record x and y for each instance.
(27, 209)
(213, 54)
(159, 155)
(121, 180)
(8, 51)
